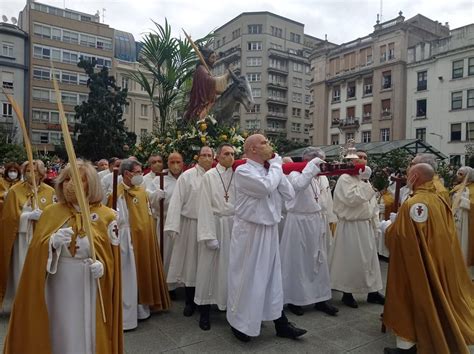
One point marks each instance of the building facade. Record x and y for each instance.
(272, 51)
(14, 75)
(440, 93)
(359, 88)
(62, 36)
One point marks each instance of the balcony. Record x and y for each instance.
(279, 70)
(367, 118)
(277, 100)
(349, 124)
(277, 115)
(386, 114)
(231, 55)
(275, 53)
(275, 131)
(278, 85)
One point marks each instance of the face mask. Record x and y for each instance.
(205, 163)
(137, 180)
(70, 193)
(12, 175)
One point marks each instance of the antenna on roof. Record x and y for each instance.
(103, 15)
(381, 10)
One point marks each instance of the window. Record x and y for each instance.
(307, 99)
(334, 66)
(277, 80)
(366, 136)
(39, 137)
(367, 86)
(70, 37)
(296, 127)
(236, 33)
(470, 98)
(83, 98)
(386, 107)
(56, 54)
(41, 74)
(7, 110)
(42, 31)
(456, 100)
(88, 41)
(296, 112)
(458, 69)
(254, 46)
(273, 125)
(385, 134)
(41, 53)
(335, 139)
(391, 51)
(383, 53)
(297, 97)
(470, 131)
(278, 64)
(55, 138)
(470, 67)
(255, 109)
(70, 57)
(422, 80)
(295, 37)
(349, 136)
(256, 92)
(7, 80)
(254, 77)
(40, 116)
(124, 82)
(40, 95)
(367, 112)
(276, 46)
(254, 61)
(69, 98)
(386, 80)
(349, 61)
(144, 110)
(421, 108)
(297, 82)
(277, 32)
(306, 114)
(307, 84)
(69, 78)
(350, 112)
(306, 128)
(297, 67)
(335, 116)
(83, 79)
(252, 124)
(7, 49)
(56, 34)
(336, 93)
(420, 134)
(351, 89)
(254, 29)
(456, 132)
(455, 160)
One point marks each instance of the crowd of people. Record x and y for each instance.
(239, 235)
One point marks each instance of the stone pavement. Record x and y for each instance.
(352, 331)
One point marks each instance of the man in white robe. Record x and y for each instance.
(155, 163)
(156, 194)
(215, 219)
(107, 180)
(254, 279)
(355, 267)
(304, 265)
(181, 226)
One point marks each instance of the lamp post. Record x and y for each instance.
(440, 138)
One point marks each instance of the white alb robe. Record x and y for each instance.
(304, 265)
(107, 183)
(215, 220)
(182, 220)
(18, 255)
(354, 267)
(131, 311)
(70, 288)
(254, 279)
(327, 214)
(103, 173)
(461, 217)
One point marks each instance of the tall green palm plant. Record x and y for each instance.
(168, 63)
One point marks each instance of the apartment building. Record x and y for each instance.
(440, 93)
(273, 52)
(63, 36)
(13, 72)
(359, 88)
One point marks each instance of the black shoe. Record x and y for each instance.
(204, 322)
(297, 310)
(376, 298)
(189, 310)
(240, 336)
(323, 306)
(289, 330)
(412, 350)
(348, 300)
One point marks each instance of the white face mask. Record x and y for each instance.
(12, 174)
(137, 180)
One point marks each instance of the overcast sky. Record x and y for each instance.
(341, 20)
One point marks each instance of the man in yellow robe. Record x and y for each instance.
(47, 316)
(19, 215)
(144, 284)
(430, 297)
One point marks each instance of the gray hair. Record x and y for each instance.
(311, 152)
(430, 159)
(468, 172)
(128, 165)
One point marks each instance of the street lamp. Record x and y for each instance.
(436, 134)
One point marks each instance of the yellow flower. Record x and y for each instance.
(223, 137)
(140, 148)
(203, 127)
(168, 140)
(245, 134)
(203, 139)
